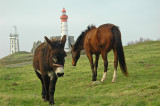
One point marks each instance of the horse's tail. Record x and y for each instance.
(119, 48)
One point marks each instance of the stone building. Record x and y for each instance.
(36, 44)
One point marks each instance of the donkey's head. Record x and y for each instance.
(57, 55)
(75, 55)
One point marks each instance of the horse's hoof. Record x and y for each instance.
(96, 82)
(94, 79)
(102, 81)
(113, 81)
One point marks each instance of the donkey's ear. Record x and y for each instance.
(48, 41)
(64, 39)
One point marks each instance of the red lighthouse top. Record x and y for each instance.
(63, 17)
(63, 10)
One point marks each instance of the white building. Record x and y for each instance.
(14, 42)
(64, 29)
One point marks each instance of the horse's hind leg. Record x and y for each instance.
(43, 87)
(104, 56)
(115, 66)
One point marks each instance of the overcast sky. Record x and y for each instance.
(38, 18)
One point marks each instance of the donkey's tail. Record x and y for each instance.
(119, 48)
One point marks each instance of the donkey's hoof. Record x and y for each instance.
(51, 103)
(44, 100)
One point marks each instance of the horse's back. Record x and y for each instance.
(105, 37)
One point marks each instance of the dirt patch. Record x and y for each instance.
(148, 66)
(15, 84)
(7, 77)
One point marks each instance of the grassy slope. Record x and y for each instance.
(20, 86)
(16, 59)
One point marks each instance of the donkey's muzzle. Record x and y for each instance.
(59, 71)
(60, 74)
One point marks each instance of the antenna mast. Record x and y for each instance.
(15, 29)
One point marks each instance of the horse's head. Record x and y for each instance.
(75, 55)
(57, 55)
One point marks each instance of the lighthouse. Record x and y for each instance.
(64, 29)
(14, 42)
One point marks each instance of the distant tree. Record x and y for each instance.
(130, 43)
(158, 39)
(139, 41)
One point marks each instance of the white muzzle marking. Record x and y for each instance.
(59, 70)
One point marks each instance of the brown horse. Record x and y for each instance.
(48, 63)
(98, 41)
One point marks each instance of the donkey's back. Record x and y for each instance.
(40, 57)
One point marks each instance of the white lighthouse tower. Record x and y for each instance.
(14, 42)
(64, 29)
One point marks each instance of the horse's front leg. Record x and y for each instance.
(89, 55)
(53, 80)
(96, 63)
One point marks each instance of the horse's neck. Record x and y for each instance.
(81, 48)
(81, 45)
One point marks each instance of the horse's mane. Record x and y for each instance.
(82, 35)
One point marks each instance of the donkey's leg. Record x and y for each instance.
(115, 66)
(46, 81)
(89, 55)
(43, 87)
(96, 63)
(104, 57)
(53, 80)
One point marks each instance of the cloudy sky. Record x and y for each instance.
(38, 18)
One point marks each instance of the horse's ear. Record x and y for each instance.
(72, 46)
(48, 40)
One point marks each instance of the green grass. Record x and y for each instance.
(20, 85)
(17, 59)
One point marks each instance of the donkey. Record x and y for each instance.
(48, 63)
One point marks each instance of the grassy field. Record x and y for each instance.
(20, 86)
